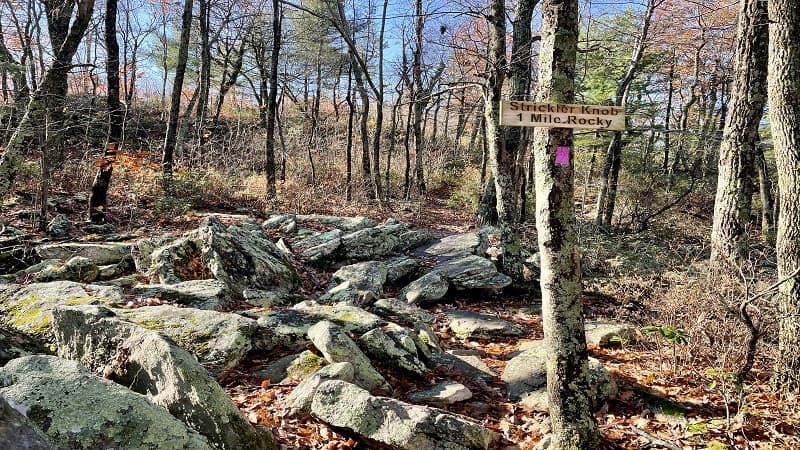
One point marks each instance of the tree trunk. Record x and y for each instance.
(571, 415)
(272, 101)
(729, 237)
(420, 99)
(784, 113)
(99, 197)
(170, 141)
(351, 110)
(767, 201)
(205, 64)
(47, 102)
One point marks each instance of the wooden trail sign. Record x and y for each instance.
(554, 115)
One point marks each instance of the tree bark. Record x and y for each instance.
(420, 99)
(767, 201)
(573, 424)
(729, 237)
(99, 198)
(784, 113)
(272, 101)
(170, 140)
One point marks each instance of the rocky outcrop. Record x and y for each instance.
(392, 308)
(359, 284)
(452, 246)
(218, 340)
(77, 268)
(336, 346)
(395, 423)
(299, 401)
(425, 290)
(77, 410)
(472, 272)
(605, 334)
(99, 253)
(442, 394)
(200, 294)
(243, 258)
(381, 346)
(28, 309)
(147, 363)
(385, 239)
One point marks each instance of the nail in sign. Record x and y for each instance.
(562, 155)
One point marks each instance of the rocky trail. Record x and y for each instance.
(295, 331)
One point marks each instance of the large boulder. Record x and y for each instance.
(243, 258)
(395, 423)
(336, 347)
(605, 334)
(350, 318)
(17, 432)
(78, 410)
(147, 363)
(452, 246)
(342, 223)
(385, 239)
(200, 294)
(526, 378)
(28, 309)
(469, 324)
(472, 272)
(427, 289)
(392, 308)
(382, 347)
(469, 366)
(400, 268)
(299, 401)
(320, 248)
(442, 394)
(359, 284)
(99, 253)
(218, 340)
(77, 268)
(170, 262)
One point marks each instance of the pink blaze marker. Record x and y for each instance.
(562, 156)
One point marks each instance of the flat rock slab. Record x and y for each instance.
(29, 308)
(359, 284)
(218, 340)
(442, 394)
(350, 318)
(100, 253)
(343, 223)
(391, 308)
(382, 347)
(76, 409)
(336, 346)
(200, 294)
(454, 245)
(424, 290)
(472, 272)
(468, 324)
(605, 334)
(395, 423)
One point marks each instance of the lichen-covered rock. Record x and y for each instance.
(200, 294)
(77, 268)
(472, 272)
(147, 363)
(526, 376)
(78, 410)
(275, 221)
(59, 226)
(350, 318)
(343, 223)
(244, 259)
(270, 298)
(467, 324)
(454, 245)
(400, 268)
(427, 289)
(28, 308)
(299, 400)
(142, 251)
(17, 432)
(604, 334)
(359, 284)
(321, 247)
(167, 261)
(218, 340)
(304, 365)
(276, 371)
(336, 346)
(442, 394)
(15, 345)
(100, 253)
(382, 347)
(392, 308)
(395, 423)
(385, 239)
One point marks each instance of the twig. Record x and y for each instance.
(654, 441)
